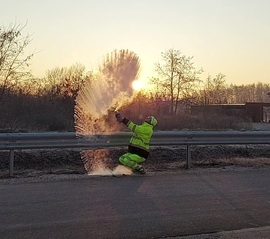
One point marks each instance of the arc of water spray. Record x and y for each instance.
(103, 93)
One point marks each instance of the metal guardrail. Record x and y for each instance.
(21, 141)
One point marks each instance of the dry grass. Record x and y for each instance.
(40, 162)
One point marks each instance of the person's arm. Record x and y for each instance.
(125, 121)
(121, 118)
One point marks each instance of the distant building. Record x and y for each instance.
(256, 111)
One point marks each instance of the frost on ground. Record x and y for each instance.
(36, 163)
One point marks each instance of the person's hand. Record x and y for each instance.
(119, 117)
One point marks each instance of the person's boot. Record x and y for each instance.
(140, 170)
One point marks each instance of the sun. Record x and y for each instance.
(137, 85)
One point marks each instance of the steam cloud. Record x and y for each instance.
(105, 91)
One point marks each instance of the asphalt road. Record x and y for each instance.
(151, 206)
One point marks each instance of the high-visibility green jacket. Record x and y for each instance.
(142, 134)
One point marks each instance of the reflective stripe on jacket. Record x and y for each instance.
(141, 134)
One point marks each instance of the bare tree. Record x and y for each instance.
(250, 93)
(65, 81)
(13, 62)
(214, 91)
(178, 77)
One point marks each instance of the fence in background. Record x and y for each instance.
(22, 141)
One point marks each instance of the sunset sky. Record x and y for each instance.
(224, 36)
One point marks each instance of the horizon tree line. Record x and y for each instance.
(177, 82)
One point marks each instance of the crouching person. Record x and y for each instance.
(138, 148)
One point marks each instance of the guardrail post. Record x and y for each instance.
(188, 157)
(11, 162)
